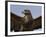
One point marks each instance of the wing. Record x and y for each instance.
(37, 23)
(16, 22)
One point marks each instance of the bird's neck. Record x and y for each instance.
(28, 18)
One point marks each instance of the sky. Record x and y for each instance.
(18, 9)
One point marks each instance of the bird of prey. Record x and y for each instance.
(26, 23)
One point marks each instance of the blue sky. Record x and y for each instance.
(18, 9)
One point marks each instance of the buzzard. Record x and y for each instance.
(26, 23)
